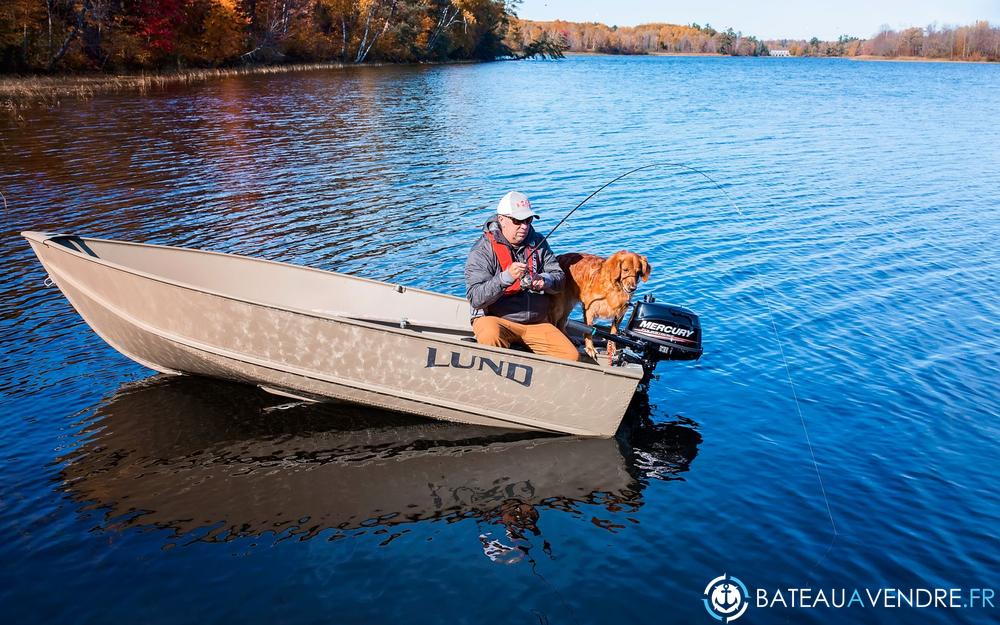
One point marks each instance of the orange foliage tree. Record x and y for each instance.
(53, 35)
(642, 39)
(978, 42)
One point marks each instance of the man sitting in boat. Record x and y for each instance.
(508, 282)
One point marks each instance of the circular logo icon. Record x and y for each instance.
(726, 598)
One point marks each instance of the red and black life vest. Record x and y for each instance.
(505, 259)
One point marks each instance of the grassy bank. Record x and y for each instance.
(17, 93)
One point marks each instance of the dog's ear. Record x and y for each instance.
(646, 269)
(611, 269)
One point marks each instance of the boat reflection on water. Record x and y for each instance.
(194, 455)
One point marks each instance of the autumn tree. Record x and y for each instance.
(213, 33)
(978, 42)
(123, 35)
(24, 38)
(642, 39)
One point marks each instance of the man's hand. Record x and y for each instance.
(538, 284)
(517, 270)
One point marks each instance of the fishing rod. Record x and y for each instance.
(629, 173)
(651, 353)
(527, 279)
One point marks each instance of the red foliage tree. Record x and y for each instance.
(160, 23)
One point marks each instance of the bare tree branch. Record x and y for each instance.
(71, 37)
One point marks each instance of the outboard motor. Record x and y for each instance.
(656, 332)
(675, 332)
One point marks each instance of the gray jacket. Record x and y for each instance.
(485, 282)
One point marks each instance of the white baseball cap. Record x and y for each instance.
(515, 204)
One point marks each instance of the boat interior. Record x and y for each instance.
(296, 287)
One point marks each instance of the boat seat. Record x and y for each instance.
(74, 243)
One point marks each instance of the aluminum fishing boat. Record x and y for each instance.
(313, 335)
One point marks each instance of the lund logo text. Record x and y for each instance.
(510, 370)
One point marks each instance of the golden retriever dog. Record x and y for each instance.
(603, 285)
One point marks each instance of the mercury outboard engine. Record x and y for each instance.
(674, 331)
(656, 332)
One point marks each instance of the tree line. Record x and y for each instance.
(642, 39)
(978, 42)
(129, 35)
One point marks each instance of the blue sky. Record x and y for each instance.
(771, 19)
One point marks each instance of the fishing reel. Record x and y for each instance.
(526, 281)
(655, 332)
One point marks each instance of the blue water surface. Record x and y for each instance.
(841, 430)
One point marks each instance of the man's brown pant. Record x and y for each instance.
(541, 338)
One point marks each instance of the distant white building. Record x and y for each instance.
(780, 53)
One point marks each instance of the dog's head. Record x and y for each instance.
(518, 517)
(625, 269)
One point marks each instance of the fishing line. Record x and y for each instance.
(767, 303)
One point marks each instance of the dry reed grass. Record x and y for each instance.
(16, 94)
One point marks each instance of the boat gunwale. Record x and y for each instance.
(46, 239)
(379, 390)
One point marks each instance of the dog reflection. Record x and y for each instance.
(517, 517)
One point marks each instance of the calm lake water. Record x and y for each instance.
(866, 223)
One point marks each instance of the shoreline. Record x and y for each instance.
(17, 93)
(588, 53)
(902, 59)
(84, 84)
(20, 92)
(913, 59)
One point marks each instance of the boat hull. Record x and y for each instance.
(184, 328)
